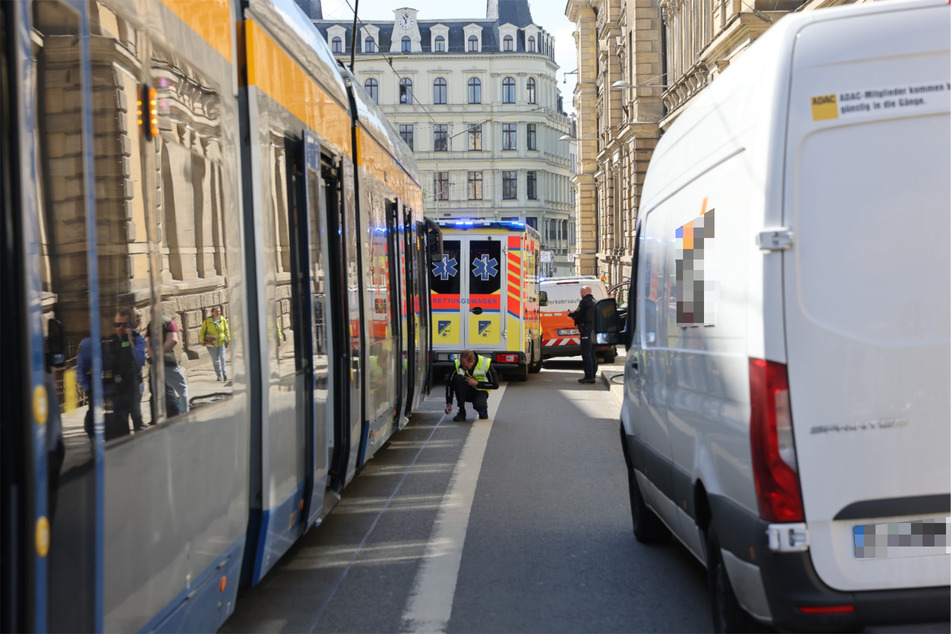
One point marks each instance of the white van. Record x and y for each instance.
(559, 296)
(786, 411)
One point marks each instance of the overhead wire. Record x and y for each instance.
(387, 58)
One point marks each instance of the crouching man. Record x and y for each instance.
(471, 382)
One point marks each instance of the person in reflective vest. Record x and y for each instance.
(471, 382)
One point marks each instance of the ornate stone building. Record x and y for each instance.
(478, 102)
(640, 63)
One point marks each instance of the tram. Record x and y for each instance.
(165, 165)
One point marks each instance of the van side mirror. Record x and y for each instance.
(55, 347)
(606, 326)
(543, 298)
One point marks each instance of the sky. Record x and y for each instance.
(548, 14)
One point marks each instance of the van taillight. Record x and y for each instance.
(771, 440)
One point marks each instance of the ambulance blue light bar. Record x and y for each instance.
(467, 222)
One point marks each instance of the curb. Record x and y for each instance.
(613, 380)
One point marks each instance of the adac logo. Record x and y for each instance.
(825, 107)
(484, 328)
(444, 328)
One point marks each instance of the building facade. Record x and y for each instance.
(478, 102)
(640, 63)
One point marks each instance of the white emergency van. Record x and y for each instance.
(484, 296)
(786, 411)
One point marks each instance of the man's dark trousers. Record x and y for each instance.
(588, 358)
(465, 392)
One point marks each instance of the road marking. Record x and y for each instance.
(430, 602)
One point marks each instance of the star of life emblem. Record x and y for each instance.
(484, 268)
(445, 268)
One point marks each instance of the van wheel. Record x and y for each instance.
(535, 366)
(648, 528)
(519, 374)
(727, 614)
(610, 355)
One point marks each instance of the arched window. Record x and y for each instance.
(337, 45)
(406, 44)
(530, 87)
(508, 44)
(473, 44)
(440, 44)
(439, 90)
(475, 90)
(373, 89)
(369, 45)
(406, 91)
(508, 90)
(531, 43)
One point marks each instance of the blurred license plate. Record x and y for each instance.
(567, 332)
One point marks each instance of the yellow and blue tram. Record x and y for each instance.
(161, 160)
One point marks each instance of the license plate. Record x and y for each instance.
(567, 332)
(901, 539)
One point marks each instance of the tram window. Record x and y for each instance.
(284, 172)
(193, 217)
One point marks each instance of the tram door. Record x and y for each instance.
(312, 327)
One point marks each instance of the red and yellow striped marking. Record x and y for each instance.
(514, 276)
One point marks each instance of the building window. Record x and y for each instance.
(369, 45)
(508, 136)
(532, 222)
(406, 44)
(337, 44)
(508, 44)
(406, 91)
(475, 90)
(441, 185)
(475, 185)
(531, 185)
(440, 137)
(373, 90)
(440, 44)
(531, 43)
(439, 90)
(406, 133)
(509, 185)
(473, 44)
(530, 87)
(475, 138)
(530, 140)
(508, 90)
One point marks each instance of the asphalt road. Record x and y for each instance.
(520, 523)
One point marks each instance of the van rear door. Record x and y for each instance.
(866, 290)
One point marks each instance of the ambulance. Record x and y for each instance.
(485, 296)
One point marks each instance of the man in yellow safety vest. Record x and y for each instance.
(471, 382)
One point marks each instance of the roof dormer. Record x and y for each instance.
(473, 35)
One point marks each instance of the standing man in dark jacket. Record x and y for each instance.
(584, 320)
(471, 381)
